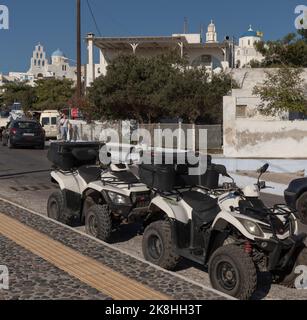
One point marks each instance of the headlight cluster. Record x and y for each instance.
(118, 199)
(252, 227)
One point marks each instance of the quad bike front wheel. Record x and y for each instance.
(158, 245)
(288, 279)
(98, 222)
(56, 208)
(232, 271)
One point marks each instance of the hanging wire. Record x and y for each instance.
(93, 17)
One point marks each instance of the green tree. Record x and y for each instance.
(148, 88)
(132, 87)
(53, 93)
(18, 92)
(282, 91)
(290, 51)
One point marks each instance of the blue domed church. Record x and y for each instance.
(57, 67)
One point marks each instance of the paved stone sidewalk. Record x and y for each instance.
(148, 275)
(32, 278)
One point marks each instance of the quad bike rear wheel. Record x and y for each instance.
(98, 222)
(288, 279)
(158, 245)
(232, 271)
(56, 208)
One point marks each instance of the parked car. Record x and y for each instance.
(23, 133)
(49, 121)
(296, 197)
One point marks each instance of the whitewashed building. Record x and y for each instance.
(41, 67)
(58, 67)
(248, 133)
(245, 52)
(209, 52)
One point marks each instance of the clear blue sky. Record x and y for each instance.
(53, 22)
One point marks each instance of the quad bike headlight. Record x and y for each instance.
(252, 227)
(118, 199)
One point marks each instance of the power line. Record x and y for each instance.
(93, 17)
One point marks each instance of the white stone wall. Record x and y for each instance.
(257, 136)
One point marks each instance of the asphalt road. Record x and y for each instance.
(25, 180)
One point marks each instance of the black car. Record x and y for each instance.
(23, 133)
(296, 197)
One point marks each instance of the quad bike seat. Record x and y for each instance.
(205, 208)
(90, 173)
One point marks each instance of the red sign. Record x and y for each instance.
(74, 113)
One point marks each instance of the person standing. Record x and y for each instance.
(64, 127)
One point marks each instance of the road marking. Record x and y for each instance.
(87, 270)
(29, 188)
(41, 187)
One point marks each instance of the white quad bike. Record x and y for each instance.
(101, 197)
(229, 230)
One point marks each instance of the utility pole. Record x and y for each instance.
(79, 75)
(185, 25)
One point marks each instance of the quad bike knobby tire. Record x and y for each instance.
(98, 222)
(232, 271)
(56, 208)
(158, 245)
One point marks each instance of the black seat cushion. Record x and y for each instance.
(199, 201)
(205, 208)
(126, 176)
(90, 173)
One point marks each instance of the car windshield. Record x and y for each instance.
(45, 121)
(26, 125)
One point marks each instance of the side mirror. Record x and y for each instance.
(221, 170)
(263, 169)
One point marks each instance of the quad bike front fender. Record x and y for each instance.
(224, 219)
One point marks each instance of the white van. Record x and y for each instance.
(49, 120)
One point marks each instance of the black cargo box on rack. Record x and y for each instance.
(209, 179)
(160, 177)
(70, 155)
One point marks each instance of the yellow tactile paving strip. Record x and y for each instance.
(87, 270)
